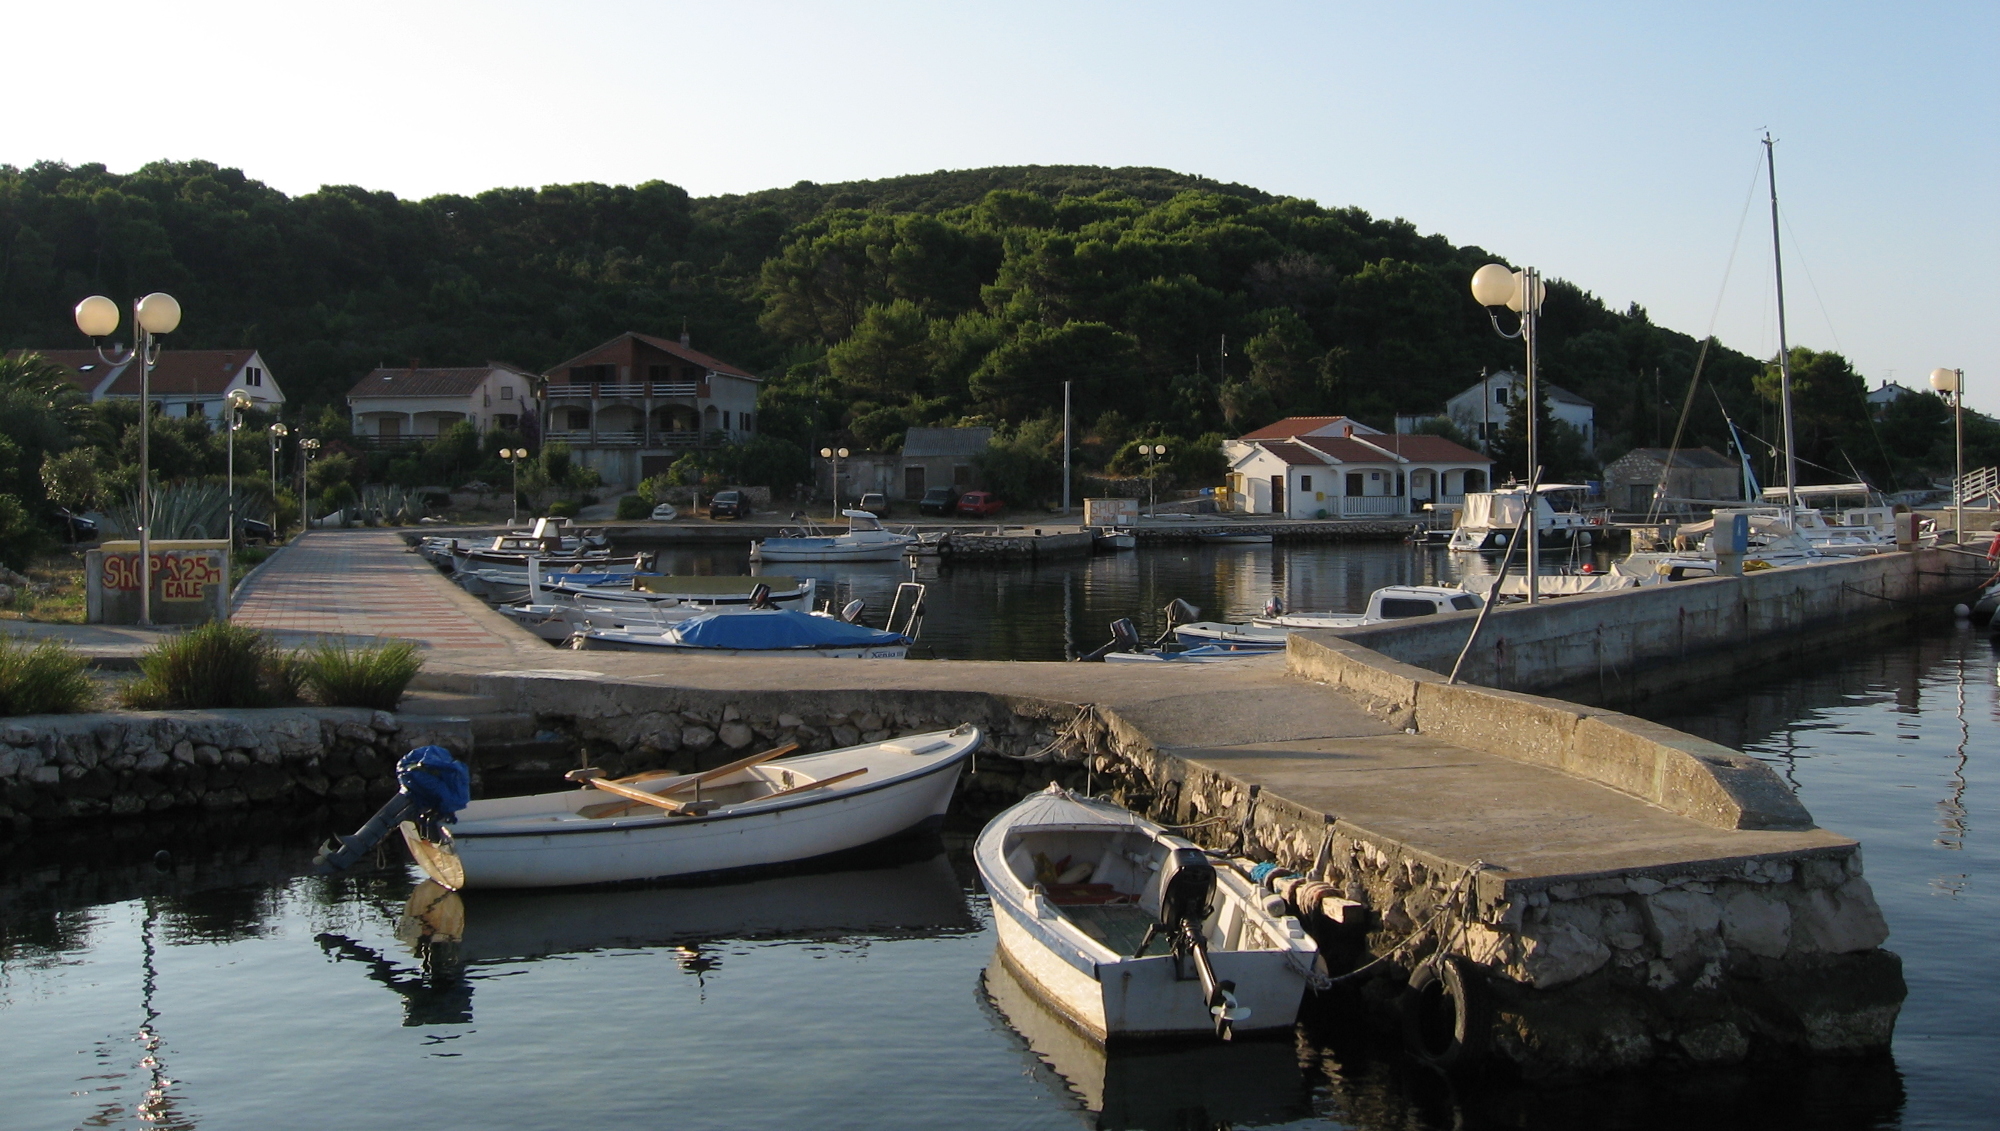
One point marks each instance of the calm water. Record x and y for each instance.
(229, 990)
(1054, 611)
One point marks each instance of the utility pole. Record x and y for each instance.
(1065, 449)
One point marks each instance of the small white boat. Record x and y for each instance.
(753, 813)
(555, 612)
(1130, 932)
(1225, 538)
(1391, 602)
(1216, 653)
(865, 541)
(1489, 518)
(1113, 538)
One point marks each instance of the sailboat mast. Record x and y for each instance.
(1784, 349)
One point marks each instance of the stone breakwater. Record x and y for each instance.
(56, 767)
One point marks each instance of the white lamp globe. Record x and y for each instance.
(826, 453)
(159, 313)
(1944, 380)
(1494, 285)
(97, 316)
(1521, 290)
(843, 453)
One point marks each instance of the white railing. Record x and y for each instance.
(634, 389)
(582, 438)
(1980, 487)
(1362, 506)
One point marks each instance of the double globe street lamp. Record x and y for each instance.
(1493, 286)
(1952, 383)
(836, 455)
(514, 456)
(278, 434)
(1152, 452)
(158, 313)
(233, 407)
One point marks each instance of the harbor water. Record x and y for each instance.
(222, 987)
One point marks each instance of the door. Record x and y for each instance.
(913, 482)
(1354, 487)
(1277, 494)
(389, 427)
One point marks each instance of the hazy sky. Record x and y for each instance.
(1611, 144)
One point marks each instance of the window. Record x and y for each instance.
(749, 422)
(487, 400)
(506, 392)
(251, 375)
(585, 374)
(1305, 482)
(1500, 395)
(1398, 608)
(1464, 601)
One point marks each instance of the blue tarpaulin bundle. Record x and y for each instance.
(436, 780)
(782, 628)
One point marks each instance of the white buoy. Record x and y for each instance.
(1962, 612)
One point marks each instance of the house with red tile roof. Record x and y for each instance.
(1330, 467)
(636, 403)
(184, 382)
(394, 407)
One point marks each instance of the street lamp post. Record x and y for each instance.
(1953, 381)
(158, 313)
(836, 455)
(1496, 285)
(278, 432)
(514, 456)
(308, 448)
(1152, 452)
(233, 413)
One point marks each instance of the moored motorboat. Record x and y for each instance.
(751, 632)
(1391, 602)
(758, 812)
(1130, 932)
(866, 540)
(1228, 538)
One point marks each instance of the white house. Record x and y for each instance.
(184, 383)
(1296, 469)
(631, 406)
(391, 407)
(1481, 411)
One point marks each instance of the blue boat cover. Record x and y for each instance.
(784, 628)
(435, 779)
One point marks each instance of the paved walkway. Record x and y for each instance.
(365, 583)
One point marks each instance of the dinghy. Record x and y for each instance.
(753, 813)
(1130, 932)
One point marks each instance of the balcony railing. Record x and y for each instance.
(1361, 506)
(633, 389)
(383, 443)
(654, 438)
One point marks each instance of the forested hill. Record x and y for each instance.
(871, 306)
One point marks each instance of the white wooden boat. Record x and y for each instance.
(558, 612)
(1391, 602)
(1130, 932)
(1489, 518)
(1195, 654)
(750, 632)
(865, 541)
(750, 814)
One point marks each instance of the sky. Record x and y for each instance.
(1615, 145)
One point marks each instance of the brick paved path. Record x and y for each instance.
(364, 583)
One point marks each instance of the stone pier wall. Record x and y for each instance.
(57, 767)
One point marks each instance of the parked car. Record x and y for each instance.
(875, 503)
(728, 504)
(979, 504)
(75, 527)
(665, 512)
(258, 531)
(938, 501)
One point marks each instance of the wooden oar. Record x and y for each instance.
(619, 809)
(820, 784)
(637, 795)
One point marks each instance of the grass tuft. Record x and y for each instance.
(46, 679)
(373, 676)
(217, 664)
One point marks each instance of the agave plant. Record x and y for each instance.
(185, 510)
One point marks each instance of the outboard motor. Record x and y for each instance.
(1177, 612)
(432, 787)
(760, 596)
(1124, 638)
(851, 611)
(1275, 607)
(1187, 897)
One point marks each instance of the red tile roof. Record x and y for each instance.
(417, 382)
(1294, 455)
(666, 345)
(1416, 448)
(177, 373)
(1292, 427)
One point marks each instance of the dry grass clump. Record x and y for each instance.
(45, 679)
(372, 676)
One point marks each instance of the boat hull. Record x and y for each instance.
(887, 552)
(580, 852)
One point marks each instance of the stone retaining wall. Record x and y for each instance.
(54, 767)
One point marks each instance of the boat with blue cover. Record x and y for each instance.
(752, 632)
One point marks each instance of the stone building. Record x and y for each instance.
(1697, 473)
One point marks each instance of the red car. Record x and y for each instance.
(979, 504)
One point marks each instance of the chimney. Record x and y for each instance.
(1347, 430)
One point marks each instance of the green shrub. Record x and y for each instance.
(217, 664)
(372, 676)
(562, 510)
(631, 507)
(46, 679)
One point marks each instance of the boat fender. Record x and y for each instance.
(1308, 896)
(1445, 1014)
(1276, 907)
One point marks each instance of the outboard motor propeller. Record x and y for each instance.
(432, 787)
(1124, 638)
(1187, 898)
(851, 611)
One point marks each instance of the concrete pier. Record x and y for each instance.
(1623, 893)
